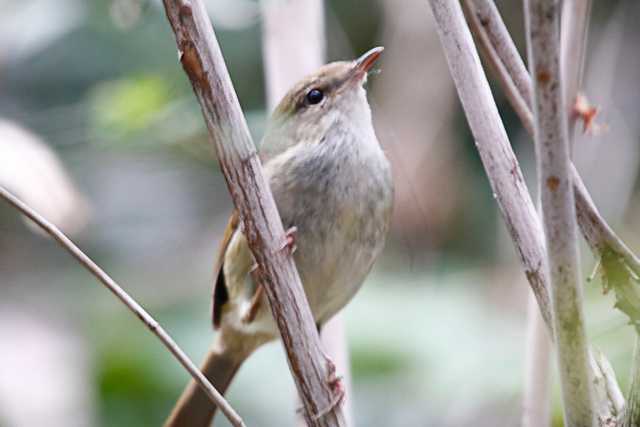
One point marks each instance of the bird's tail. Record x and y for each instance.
(228, 351)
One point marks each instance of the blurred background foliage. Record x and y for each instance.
(437, 333)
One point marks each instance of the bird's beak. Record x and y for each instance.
(365, 62)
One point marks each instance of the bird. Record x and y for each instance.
(333, 187)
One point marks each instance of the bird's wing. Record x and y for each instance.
(220, 291)
(225, 287)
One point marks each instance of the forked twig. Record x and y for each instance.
(128, 301)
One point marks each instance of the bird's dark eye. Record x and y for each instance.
(315, 96)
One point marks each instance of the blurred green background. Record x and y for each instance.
(437, 335)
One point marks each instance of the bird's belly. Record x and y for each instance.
(338, 194)
(340, 233)
(333, 260)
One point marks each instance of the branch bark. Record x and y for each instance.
(202, 60)
(558, 210)
(129, 302)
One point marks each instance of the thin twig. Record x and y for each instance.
(129, 302)
(202, 60)
(558, 211)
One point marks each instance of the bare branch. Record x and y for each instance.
(129, 302)
(558, 211)
(202, 60)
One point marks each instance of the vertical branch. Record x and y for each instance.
(536, 408)
(558, 210)
(202, 60)
(293, 45)
(129, 302)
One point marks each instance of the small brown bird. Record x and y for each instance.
(332, 184)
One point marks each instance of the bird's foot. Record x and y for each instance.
(290, 240)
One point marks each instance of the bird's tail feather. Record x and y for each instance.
(194, 409)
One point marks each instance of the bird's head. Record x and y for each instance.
(333, 94)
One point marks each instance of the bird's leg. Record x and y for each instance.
(255, 305)
(290, 240)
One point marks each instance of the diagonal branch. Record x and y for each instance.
(558, 210)
(129, 302)
(203, 63)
